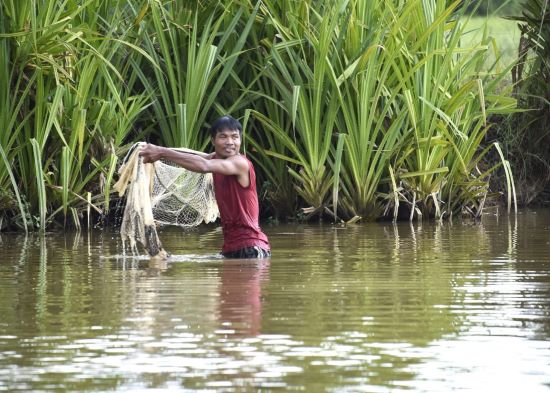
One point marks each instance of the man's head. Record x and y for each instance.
(226, 122)
(226, 133)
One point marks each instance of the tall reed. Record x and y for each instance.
(74, 104)
(193, 58)
(392, 81)
(352, 108)
(298, 68)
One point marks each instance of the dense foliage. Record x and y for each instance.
(526, 135)
(351, 108)
(495, 7)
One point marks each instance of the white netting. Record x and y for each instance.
(162, 194)
(181, 197)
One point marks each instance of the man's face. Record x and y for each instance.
(227, 143)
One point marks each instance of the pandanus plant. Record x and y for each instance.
(361, 106)
(384, 105)
(194, 52)
(447, 95)
(70, 104)
(299, 69)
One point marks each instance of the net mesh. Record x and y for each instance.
(181, 197)
(161, 194)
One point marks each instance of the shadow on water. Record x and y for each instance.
(372, 307)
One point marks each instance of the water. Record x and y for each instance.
(366, 308)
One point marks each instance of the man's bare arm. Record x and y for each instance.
(235, 165)
(208, 156)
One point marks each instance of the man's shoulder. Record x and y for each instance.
(240, 160)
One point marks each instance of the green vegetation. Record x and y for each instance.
(526, 135)
(506, 38)
(351, 108)
(495, 7)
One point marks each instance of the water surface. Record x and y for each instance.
(371, 307)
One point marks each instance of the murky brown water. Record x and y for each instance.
(371, 307)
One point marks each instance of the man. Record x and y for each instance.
(234, 186)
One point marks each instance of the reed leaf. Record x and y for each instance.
(40, 183)
(22, 209)
(194, 58)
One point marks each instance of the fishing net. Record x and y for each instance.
(161, 194)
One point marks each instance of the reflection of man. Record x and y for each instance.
(156, 266)
(240, 294)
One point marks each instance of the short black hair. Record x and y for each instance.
(226, 123)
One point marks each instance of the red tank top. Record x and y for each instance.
(238, 207)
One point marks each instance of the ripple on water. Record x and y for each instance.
(421, 307)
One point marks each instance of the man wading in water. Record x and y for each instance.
(234, 186)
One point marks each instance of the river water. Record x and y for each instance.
(424, 307)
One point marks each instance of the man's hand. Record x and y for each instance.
(202, 163)
(151, 153)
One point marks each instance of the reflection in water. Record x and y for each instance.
(376, 307)
(240, 306)
(512, 237)
(156, 266)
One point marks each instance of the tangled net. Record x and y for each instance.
(160, 194)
